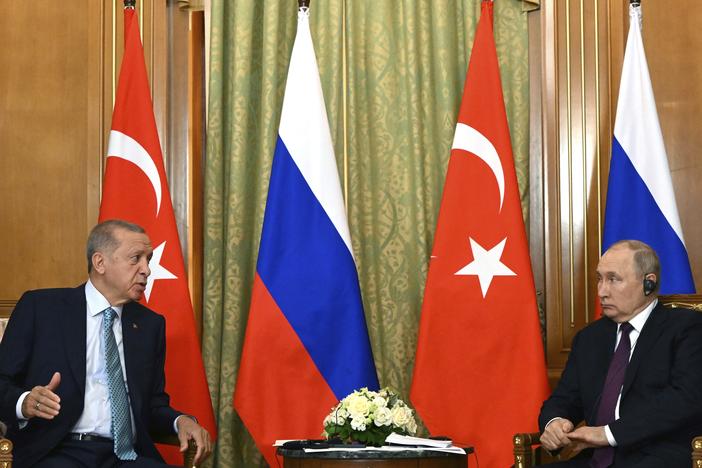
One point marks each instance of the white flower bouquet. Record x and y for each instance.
(369, 417)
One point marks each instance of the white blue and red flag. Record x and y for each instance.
(640, 198)
(306, 343)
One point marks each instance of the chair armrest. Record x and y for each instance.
(172, 439)
(697, 452)
(523, 454)
(5, 453)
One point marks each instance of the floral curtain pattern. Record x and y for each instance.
(392, 72)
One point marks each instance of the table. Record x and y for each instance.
(297, 458)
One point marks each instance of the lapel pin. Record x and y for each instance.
(134, 326)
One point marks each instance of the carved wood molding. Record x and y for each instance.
(688, 301)
(6, 307)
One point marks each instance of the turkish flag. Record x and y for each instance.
(135, 189)
(479, 374)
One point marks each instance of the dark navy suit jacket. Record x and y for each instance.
(661, 403)
(47, 334)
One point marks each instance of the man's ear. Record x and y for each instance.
(98, 260)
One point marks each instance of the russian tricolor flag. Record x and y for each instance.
(640, 198)
(306, 343)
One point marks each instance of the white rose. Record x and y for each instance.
(383, 417)
(379, 402)
(358, 406)
(411, 427)
(401, 415)
(358, 424)
(337, 419)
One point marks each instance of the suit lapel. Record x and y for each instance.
(72, 317)
(650, 333)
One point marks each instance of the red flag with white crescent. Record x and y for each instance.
(135, 189)
(479, 372)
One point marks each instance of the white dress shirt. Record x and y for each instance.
(97, 417)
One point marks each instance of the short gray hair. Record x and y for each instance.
(102, 239)
(645, 258)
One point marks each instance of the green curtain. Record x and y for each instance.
(401, 65)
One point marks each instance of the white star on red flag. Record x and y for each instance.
(158, 271)
(486, 264)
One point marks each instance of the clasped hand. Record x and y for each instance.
(561, 433)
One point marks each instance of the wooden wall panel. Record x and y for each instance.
(673, 39)
(196, 161)
(581, 47)
(56, 93)
(576, 127)
(45, 91)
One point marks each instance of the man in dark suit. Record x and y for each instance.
(634, 376)
(82, 370)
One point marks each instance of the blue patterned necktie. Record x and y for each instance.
(119, 403)
(604, 456)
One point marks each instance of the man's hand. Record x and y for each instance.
(556, 434)
(189, 429)
(42, 402)
(590, 436)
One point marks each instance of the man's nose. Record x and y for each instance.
(602, 289)
(145, 270)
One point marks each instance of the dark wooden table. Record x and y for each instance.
(297, 458)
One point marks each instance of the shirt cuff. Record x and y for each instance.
(550, 421)
(610, 437)
(21, 420)
(18, 407)
(175, 422)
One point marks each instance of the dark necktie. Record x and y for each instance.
(604, 456)
(119, 403)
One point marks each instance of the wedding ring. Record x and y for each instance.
(37, 405)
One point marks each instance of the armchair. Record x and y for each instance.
(5, 453)
(528, 451)
(5, 449)
(172, 439)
